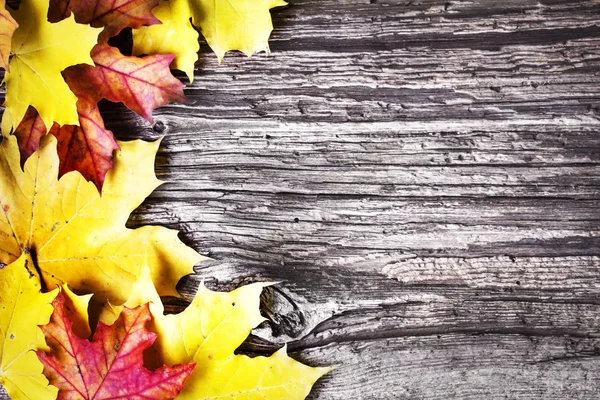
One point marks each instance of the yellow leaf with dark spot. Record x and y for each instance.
(79, 237)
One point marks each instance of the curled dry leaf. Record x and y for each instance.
(77, 235)
(243, 25)
(208, 332)
(110, 366)
(22, 309)
(41, 50)
(7, 28)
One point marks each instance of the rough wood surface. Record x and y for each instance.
(422, 177)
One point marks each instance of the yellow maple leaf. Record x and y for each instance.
(243, 25)
(22, 308)
(78, 236)
(175, 35)
(41, 50)
(76, 309)
(207, 332)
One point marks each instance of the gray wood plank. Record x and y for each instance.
(422, 177)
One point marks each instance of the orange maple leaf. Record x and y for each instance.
(110, 366)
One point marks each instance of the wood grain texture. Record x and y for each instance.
(422, 177)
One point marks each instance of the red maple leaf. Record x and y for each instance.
(86, 148)
(141, 83)
(114, 15)
(29, 132)
(111, 365)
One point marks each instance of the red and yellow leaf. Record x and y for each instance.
(109, 366)
(208, 332)
(7, 28)
(141, 83)
(113, 15)
(29, 132)
(87, 148)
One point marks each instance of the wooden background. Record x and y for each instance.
(422, 177)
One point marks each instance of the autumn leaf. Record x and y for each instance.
(41, 50)
(141, 83)
(86, 148)
(208, 332)
(7, 28)
(113, 15)
(243, 25)
(109, 366)
(22, 309)
(175, 35)
(58, 10)
(76, 310)
(29, 132)
(77, 235)
(223, 321)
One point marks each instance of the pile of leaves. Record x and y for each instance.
(67, 188)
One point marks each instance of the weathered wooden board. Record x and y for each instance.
(423, 177)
